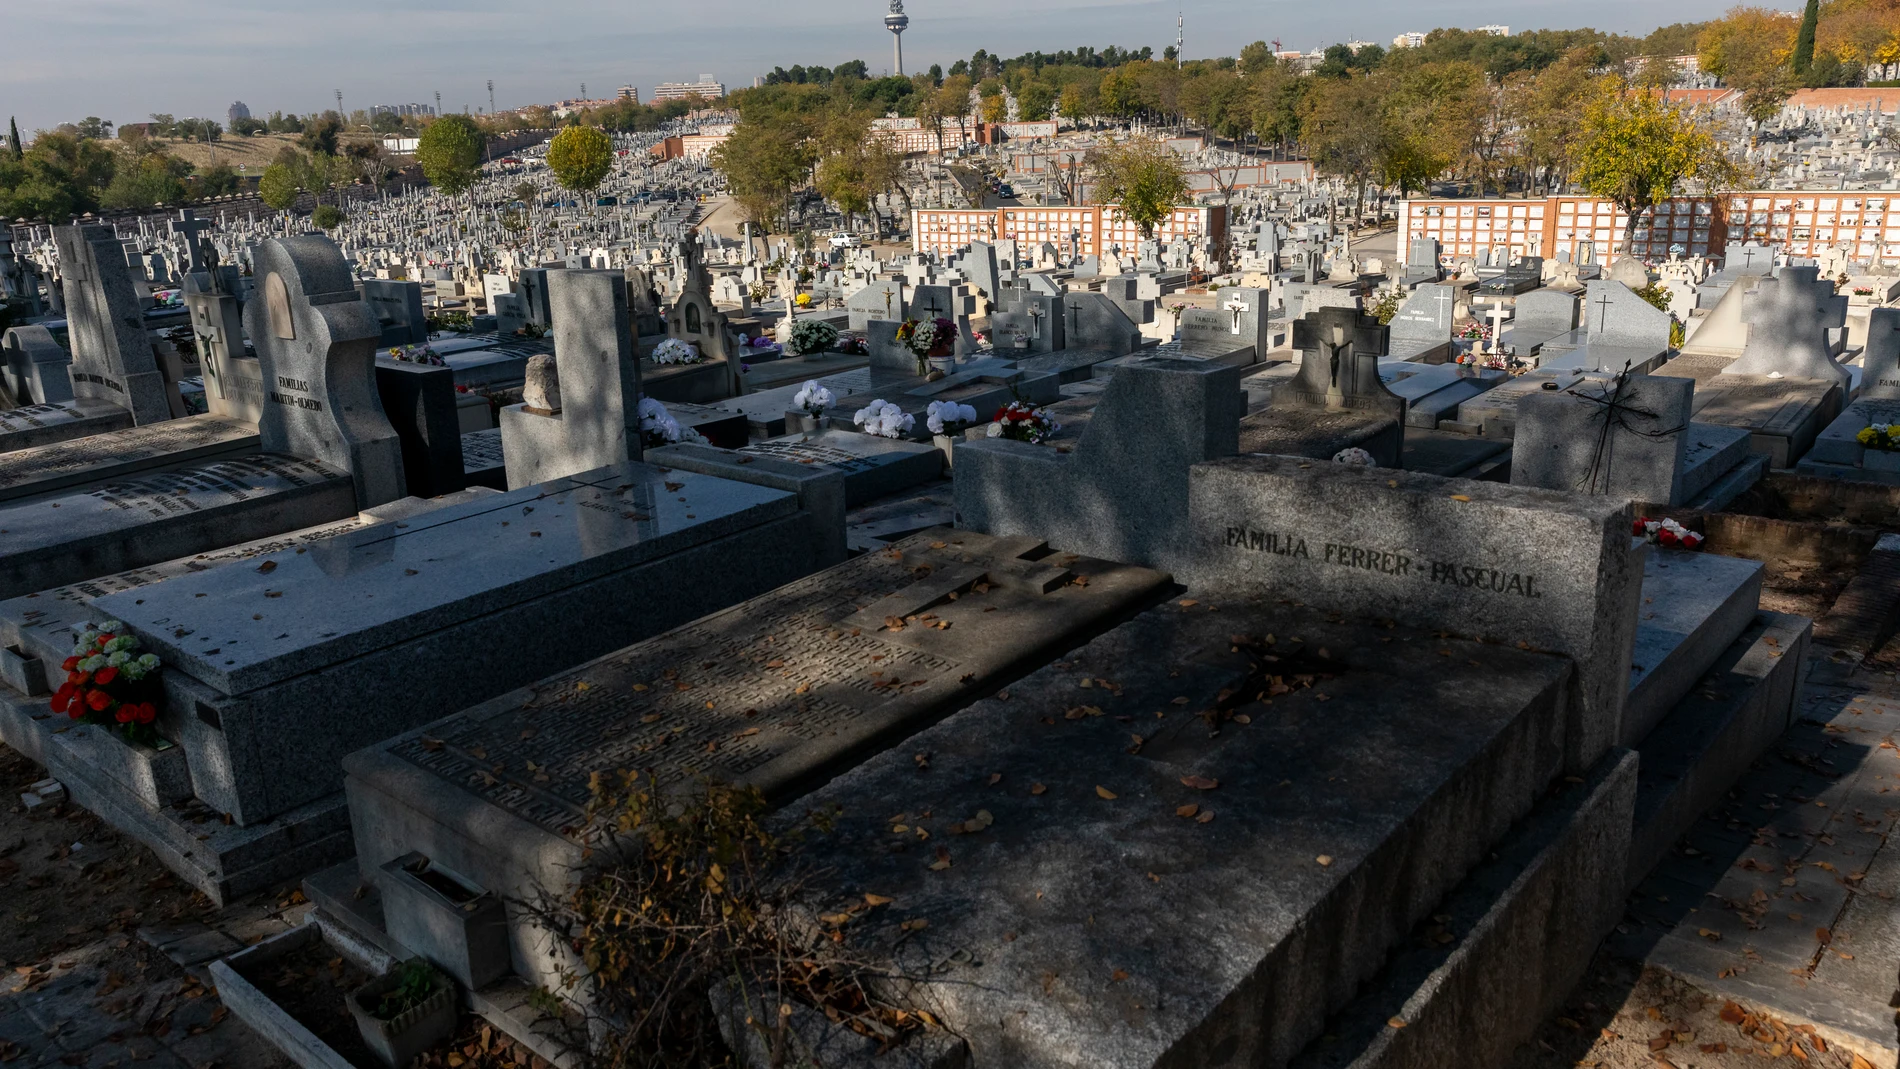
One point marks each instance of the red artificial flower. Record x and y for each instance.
(1642, 524)
(124, 715)
(1666, 536)
(147, 712)
(69, 664)
(75, 677)
(64, 697)
(98, 700)
(106, 675)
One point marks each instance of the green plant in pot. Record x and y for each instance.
(404, 1012)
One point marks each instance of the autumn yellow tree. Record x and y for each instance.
(1750, 49)
(1637, 150)
(1141, 175)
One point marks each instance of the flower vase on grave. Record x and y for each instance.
(943, 361)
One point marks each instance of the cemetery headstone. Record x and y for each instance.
(112, 353)
(599, 421)
(316, 342)
(1626, 437)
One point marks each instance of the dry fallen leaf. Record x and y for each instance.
(1037, 788)
(1105, 792)
(1324, 860)
(876, 900)
(1395, 1022)
(1460, 497)
(1187, 810)
(267, 567)
(1199, 783)
(1118, 976)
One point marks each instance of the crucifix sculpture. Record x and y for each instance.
(1236, 306)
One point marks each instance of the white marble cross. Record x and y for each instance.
(1496, 316)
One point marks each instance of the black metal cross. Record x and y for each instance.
(1616, 412)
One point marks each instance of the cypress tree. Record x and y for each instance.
(13, 133)
(1804, 43)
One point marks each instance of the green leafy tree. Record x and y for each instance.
(327, 217)
(278, 186)
(154, 180)
(1074, 106)
(321, 135)
(525, 192)
(1144, 177)
(218, 180)
(93, 126)
(1803, 59)
(62, 176)
(580, 156)
(1637, 150)
(763, 162)
(450, 152)
(1036, 101)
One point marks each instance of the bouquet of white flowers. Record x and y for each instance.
(675, 351)
(812, 336)
(813, 398)
(657, 424)
(1354, 456)
(884, 419)
(948, 417)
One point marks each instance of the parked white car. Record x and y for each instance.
(842, 240)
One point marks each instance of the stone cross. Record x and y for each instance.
(1496, 316)
(188, 226)
(316, 347)
(1788, 319)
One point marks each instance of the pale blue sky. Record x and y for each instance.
(122, 59)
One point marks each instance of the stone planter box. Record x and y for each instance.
(798, 421)
(23, 672)
(445, 918)
(266, 1017)
(398, 1040)
(159, 774)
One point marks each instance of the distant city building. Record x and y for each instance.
(407, 111)
(629, 93)
(1409, 40)
(238, 110)
(563, 108)
(1357, 45)
(705, 87)
(1495, 30)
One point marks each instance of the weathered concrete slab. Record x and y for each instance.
(782, 691)
(1091, 924)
